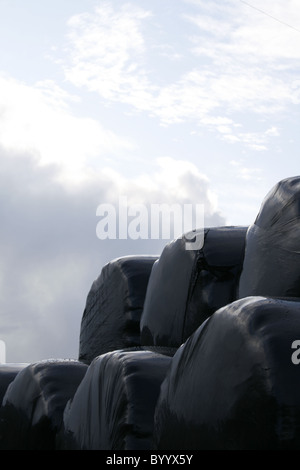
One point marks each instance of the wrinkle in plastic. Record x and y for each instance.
(111, 319)
(233, 385)
(113, 407)
(272, 255)
(186, 287)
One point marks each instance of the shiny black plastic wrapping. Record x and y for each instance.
(114, 405)
(111, 319)
(272, 254)
(7, 374)
(32, 408)
(187, 286)
(233, 385)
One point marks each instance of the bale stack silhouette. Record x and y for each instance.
(191, 349)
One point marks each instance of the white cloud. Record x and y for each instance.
(37, 119)
(105, 51)
(246, 62)
(256, 140)
(172, 181)
(246, 173)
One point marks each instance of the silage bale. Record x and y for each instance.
(114, 405)
(111, 318)
(33, 405)
(187, 286)
(272, 255)
(234, 384)
(8, 372)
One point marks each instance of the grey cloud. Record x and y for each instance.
(50, 254)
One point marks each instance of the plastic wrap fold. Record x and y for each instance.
(235, 383)
(113, 407)
(7, 374)
(272, 255)
(32, 409)
(187, 286)
(111, 319)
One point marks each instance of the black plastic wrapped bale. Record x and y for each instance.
(114, 405)
(272, 254)
(111, 319)
(32, 409)
(234, 385)
(8, 373)
(187, 286)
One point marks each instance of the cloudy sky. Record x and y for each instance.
(158, 101)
